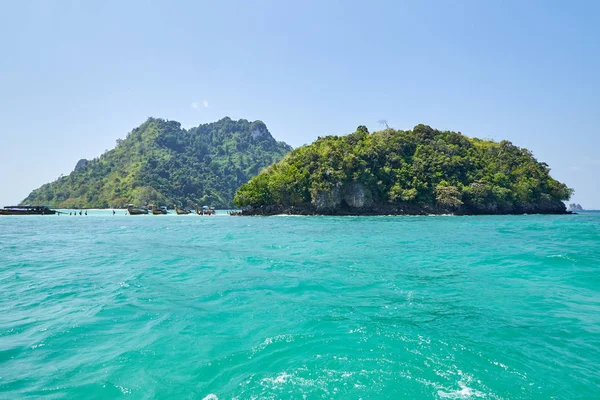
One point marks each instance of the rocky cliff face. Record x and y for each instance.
(351, 196)
(355, 199)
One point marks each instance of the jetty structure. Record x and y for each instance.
(28, 210)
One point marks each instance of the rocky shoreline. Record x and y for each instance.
(354, 199)
(554, 207)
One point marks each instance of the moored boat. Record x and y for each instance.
(159, 210)
(136, 210)
(27, 210)
(205, 210)
(182, 211)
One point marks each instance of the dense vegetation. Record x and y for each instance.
(404, 172)
(161, 163)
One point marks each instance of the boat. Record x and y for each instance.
(159, 210)
(136, 210)
(27, 210)
(205, 210)
(181, 211)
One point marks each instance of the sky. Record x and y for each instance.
(77, 75)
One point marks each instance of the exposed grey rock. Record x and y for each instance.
(356, 196)
(358, 202)
(329, 200)
(259, 131)
(81, 164)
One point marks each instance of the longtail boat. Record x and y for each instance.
(181, 211)
(27, 210)
(136, 210)
(159, 210)
(204, 211)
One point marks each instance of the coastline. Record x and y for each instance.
(553, 208)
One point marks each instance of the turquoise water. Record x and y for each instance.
(225, 307)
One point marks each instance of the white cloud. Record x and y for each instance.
(195, 105)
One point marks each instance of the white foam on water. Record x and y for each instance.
(500, 364)
(270, 340)
(124, 390)
(464, 392)
(357, 330)
(563, 257)
(283, 377)
(211, 397)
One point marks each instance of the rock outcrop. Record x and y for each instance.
(80, 164)
(554, 207)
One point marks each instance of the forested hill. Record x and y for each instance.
(420, 171)
(161, 163)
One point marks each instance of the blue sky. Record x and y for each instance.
(75, 76)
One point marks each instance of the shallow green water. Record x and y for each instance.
(224, 307)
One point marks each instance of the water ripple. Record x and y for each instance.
(219, 308)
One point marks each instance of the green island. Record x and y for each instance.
(161, 163)
(394, 172)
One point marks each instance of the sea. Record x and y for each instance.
(104, 306)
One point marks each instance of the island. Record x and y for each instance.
(163, 164)
(575, 207)
(414, 172)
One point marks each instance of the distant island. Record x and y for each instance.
(575, 207)
(161, 163)
(394, 172)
